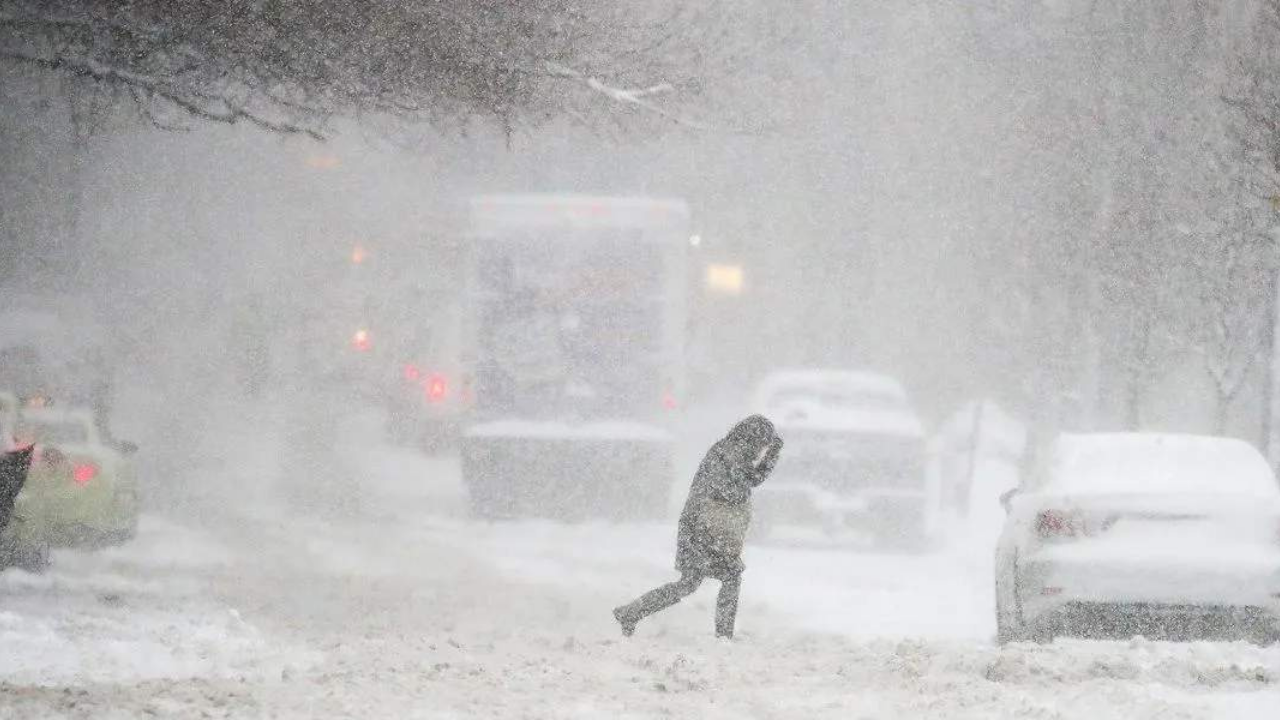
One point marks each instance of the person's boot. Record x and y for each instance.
(627, 621)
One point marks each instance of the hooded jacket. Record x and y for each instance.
(13, 475)
(713, 525)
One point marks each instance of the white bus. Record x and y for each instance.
(576, 318)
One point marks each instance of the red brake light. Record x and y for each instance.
(436, 388)
(669, 401)
(1055, 524)
(412, 373)
(84, 472)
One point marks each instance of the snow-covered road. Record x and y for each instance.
(407, 609)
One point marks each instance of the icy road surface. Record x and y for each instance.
(405, 609)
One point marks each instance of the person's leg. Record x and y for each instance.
(727, 604)
(659, 598)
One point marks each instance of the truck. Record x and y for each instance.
(855, 458)
(575, 327)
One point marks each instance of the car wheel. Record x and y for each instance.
(29, 557)
(117, 537)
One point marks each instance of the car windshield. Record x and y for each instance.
(65, 432)
(1157, 464)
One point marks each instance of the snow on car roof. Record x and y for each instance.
(856, 401)
(856, 380)
(1141, 463)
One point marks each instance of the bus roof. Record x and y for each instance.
(492, 213)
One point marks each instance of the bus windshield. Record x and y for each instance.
(570, 325)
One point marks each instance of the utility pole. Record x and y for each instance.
(1271, 408)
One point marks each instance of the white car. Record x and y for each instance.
(854, 458)
(1141, 534)
(79, 491)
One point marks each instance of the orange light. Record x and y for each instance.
(724, 279)
(358, 255)
(360, 341)
(323, 161)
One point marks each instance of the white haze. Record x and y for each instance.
(981, 199)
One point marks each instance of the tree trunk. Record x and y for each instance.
(1271, 406)
(1223, 403)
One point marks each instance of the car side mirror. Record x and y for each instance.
(126, 447)
(1006, 498)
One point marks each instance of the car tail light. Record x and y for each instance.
(436, 388)
(669, 401)
(412, 373)
(1057, 524)
(84, 472)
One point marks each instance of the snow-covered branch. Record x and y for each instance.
(636, 97)
(204, 107)
(284, 68)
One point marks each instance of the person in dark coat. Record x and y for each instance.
(13, 475)
(714, 524)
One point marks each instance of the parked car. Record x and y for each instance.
(79, 491)
(854, 458)
(1141, 534)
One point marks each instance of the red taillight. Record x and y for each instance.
(436, 388)
(669, 401)
(412, 373)
(1055, 524)
(84, 472)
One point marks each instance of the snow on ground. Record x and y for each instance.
(137, 612)
(403, 607)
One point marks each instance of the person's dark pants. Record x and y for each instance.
(663, 597)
